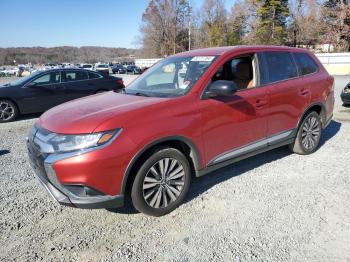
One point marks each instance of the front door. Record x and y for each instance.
(42, 93)
(234, 126)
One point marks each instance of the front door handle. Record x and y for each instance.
(260, 103)
(304, 91)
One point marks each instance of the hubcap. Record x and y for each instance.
(163, 183)
(311, 133)
(6, 111)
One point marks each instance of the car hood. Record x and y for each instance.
(85, 115)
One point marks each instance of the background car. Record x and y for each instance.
(345, 95)
(102, 68)
(86, 66)
(118, 69)
(45, 89)
(132, 69)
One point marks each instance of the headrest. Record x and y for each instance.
(243, 71)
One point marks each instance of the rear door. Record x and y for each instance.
(289, 95)
(76, 84)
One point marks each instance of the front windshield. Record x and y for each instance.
(22, 80)
(171, 77)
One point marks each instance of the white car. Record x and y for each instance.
(10, 71)
(102, 68)
(87, 66)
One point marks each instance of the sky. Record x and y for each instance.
(49, 23)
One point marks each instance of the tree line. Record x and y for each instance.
(69, 54)
(171, 26)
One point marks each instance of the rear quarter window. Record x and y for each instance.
(306, 65)
(280, 66)
(94, 75)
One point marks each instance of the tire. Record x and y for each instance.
(154, 192)
(8, 111)
(308, 136)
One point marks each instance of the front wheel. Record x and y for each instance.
(162, 182)
(308, 136)
(8, 111)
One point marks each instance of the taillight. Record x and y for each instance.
(120, 82)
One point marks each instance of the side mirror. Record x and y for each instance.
(221, 88)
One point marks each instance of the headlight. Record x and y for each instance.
(56, 143)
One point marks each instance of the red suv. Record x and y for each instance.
(190, 114)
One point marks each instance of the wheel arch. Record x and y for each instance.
(183, 144)
(317, 107)
(13, 101)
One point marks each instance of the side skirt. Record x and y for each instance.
(215, 166)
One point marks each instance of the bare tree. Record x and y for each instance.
(214, 17)
(336, 23)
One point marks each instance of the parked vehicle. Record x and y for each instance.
(102, 68)
(45, 89)
(190, 114)
(118, 69)
(87, 66)
(345, 95)
(132, 69)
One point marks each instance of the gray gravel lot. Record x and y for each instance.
(276, 206)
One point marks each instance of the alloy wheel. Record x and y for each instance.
(163, 183)
(311, 133)
(6, 111)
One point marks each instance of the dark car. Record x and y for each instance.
(45, 89)
(345, 95)
(132, 69)
(118, 69)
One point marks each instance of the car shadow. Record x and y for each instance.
(202, 184)
(4, 152)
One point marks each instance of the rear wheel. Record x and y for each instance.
(8, 111)
(162, 182)
(308, 136)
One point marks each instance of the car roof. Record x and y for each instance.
(218, 51)
(67, 69)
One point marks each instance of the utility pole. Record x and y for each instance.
(189, 27)
(189, 35)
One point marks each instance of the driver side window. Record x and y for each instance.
(49, 78)
(240, 70)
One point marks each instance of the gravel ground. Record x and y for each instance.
(276, 206)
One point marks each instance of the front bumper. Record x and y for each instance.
(43, 167)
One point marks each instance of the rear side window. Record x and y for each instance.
(68, 76)
(305, 63)
(280, 66)
(94, 75)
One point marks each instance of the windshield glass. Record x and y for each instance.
(23, 80)
(102, 66)
(171, 77)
